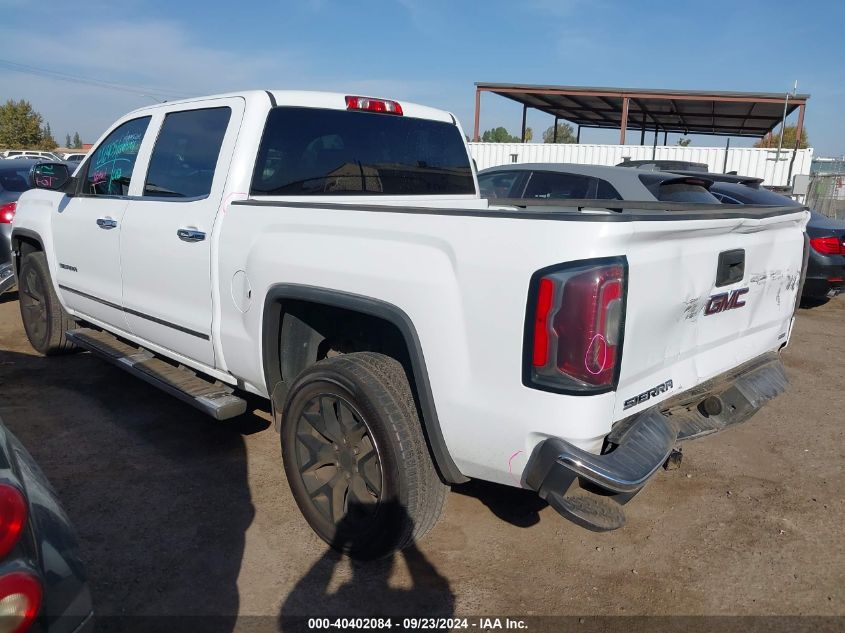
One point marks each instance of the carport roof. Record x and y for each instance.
(684, 111)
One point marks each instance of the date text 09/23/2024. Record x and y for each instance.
(417, 624)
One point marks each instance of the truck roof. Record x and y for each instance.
(313, 99)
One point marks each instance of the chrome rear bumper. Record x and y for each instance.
(590, 489)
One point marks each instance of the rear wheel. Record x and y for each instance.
(356, 458)
(44, 319)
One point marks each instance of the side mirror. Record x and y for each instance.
(53, 176)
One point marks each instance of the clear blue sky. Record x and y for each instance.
(430, 51)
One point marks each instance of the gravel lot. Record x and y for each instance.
(178, 514)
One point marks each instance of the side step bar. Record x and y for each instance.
(214, 398)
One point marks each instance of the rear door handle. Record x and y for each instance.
(190, 235)
(106, 223)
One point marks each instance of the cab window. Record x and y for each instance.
(185, 154)
(110, 168)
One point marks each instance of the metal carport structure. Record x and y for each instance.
(742, 114)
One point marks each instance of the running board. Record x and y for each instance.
(214, 398)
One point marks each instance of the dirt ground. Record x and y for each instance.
(178, 514)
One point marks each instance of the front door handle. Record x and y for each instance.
(106, 223)
(190, 235)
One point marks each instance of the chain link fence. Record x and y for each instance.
(826, 194)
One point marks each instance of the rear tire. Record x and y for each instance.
(44, 319)
(356, 458)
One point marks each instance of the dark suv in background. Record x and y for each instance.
(826, 263)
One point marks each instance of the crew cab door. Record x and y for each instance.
(87, 225)
(166, 244)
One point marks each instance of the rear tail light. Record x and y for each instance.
(7, 212)
(20, 599)
(13, 513)
(831, 245)
(373, 105)
(575, 326)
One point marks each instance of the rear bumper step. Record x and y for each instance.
(213, 398)
(590, 489)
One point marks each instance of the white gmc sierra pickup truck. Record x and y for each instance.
(331, 253)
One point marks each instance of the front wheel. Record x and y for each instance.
(44, 319)
(356, 458)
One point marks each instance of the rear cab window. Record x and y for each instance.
(313, 151)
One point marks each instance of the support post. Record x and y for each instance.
(524, 114)
(665, 138)
(578, 135)
(798, 129)
(624, 125)
(477, 112)
(727, 151)
(642, 130)
(554, 133)
(654, 147)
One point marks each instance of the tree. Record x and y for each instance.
(772, 140)
(684, 142)
(529, 134)
(67, 141)
(565, 133)
(77, 142)
(499, 135)
(20, 125)
(47, 140)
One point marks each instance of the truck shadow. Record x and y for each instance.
(517, 506)
(365, 591)
(158, 492)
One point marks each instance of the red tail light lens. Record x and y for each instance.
(373, 105)
(828, 245)
(20, 599)
(577, 326)
(13, 513)
(7, 212)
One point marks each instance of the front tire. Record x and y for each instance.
(356, 458)
(44, 319)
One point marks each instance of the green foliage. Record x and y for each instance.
(771, 140)
(499, 135)
(20, 125)
(47, 140)
(565, 133)
(529, 134)
(77, 142)
(684, 142)
(67, 141)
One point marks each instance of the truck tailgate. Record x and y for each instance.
(683, 328)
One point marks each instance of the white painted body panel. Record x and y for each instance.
(463, 281)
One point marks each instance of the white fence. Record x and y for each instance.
(746, 161)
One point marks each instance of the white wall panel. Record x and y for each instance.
(746, 161)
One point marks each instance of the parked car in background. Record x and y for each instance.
(43, 585)
(664, 165)
(564, 181)
(32, 153)
(14, 180)
(76, 157)
(826, 262)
